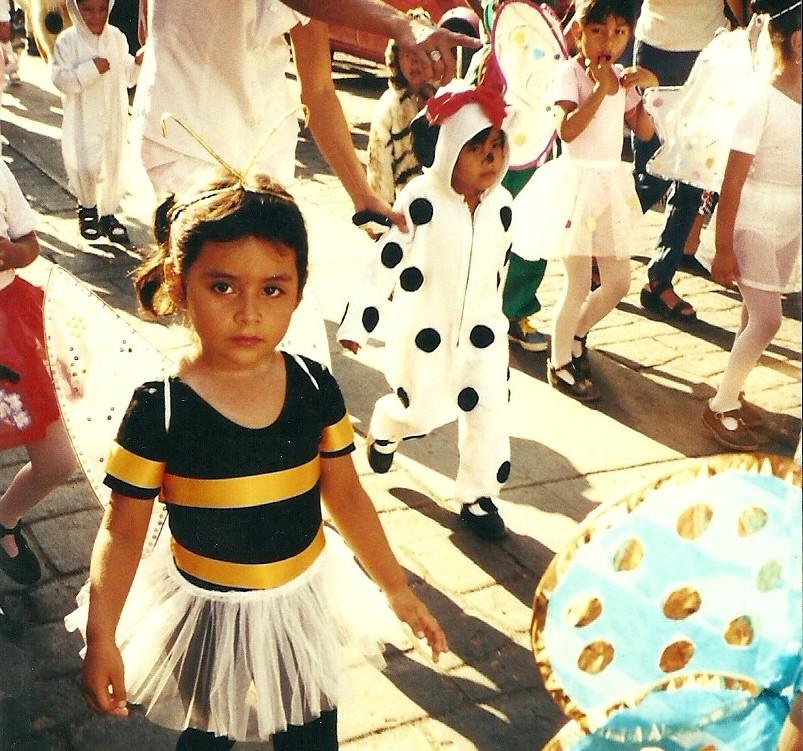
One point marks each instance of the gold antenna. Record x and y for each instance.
(202, 141)
(241, 176)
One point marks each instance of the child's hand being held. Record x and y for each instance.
(416, 615)
(103, 669)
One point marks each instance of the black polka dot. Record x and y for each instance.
(420, 211)
(427, 340)
(370, 317)
(498, 279)
(411, 279)
(508, 374)
(345, 313)
(508, 252)
(403, 398)
(467, 399)
(481, 337)
(506, 215)
(503, 472)
(391, 255)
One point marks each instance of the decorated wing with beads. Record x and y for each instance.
(700, 574)
(695, 121)
(527, 43)
(96, 359)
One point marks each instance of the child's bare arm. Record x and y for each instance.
(115, 557)
(724, 268)
(16, 254)
(357, 520)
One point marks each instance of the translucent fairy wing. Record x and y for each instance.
(96, 359)
(695, 122)
(527, 43)
(691, 714)
(700, 572)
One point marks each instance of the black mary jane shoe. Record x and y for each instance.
(581, 364)
(651, 300)
(582, 389)
(88, 222)
(488, 525)
(379, 461)
(24, 567)
(111, 227)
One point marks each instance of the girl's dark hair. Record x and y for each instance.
(596, 11)
(783, 25)
(220, 210)
(397, 79)
(483, 135)
(425, 138)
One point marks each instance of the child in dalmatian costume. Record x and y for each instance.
(446, 336)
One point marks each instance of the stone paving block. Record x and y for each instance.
(67, 540)
(51, 704)
(102, 733)
(403, 738)
(74, 495)
(407, 526)
(452, 570)
(38, 742)
(373, 703)
(53, 650)
(645, 353)
(56, 598)
(499, 606)
(511, 722)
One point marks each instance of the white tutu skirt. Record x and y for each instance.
(245, 664)
(766, 236)
(574, 207)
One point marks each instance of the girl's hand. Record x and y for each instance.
(724, 269)
(635, 75)
(102, 64)
(417, 616)
(351, 346)
(103, 669)
(140, 54)
(604, 76)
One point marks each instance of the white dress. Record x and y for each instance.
(95, 109)
(766, 237)
(584, 202)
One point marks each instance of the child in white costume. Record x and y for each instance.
(758, 221)
(446, 352)
(93, 70)
(584, 204)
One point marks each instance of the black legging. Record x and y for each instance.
(317, 735)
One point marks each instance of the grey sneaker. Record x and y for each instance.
(526, 336)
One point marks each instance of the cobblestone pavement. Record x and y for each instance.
(567, 458)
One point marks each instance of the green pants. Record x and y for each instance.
(519, 298)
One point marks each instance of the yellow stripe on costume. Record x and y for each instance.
(338, 436)
(248, 575)
(133, 469)
(241, 492)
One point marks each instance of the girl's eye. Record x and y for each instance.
(223, 288)
(272, 291)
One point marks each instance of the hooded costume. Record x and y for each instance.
(446, 348)
(95, 109)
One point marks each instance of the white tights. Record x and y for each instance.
(51, 462)
(577, 311)
(761, 319)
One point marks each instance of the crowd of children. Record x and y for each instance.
(228, 634)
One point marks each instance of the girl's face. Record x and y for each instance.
(239, 296)
(95, 14)
(603, 42)
(480, 165)
(411, 70)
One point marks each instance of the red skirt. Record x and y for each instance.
(28, 403)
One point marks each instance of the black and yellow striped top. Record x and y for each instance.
(234, 494)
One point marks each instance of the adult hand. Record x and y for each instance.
(432, 48)
(102, 64)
